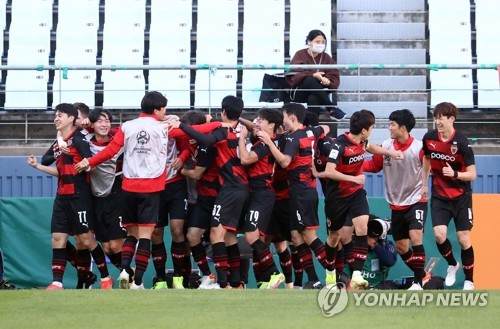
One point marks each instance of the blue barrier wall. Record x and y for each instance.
(18, 179)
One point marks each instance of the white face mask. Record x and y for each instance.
(318, 47)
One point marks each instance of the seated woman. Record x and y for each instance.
(315, 86)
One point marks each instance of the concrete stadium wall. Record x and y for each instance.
(18, 179)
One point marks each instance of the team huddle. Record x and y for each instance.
(217, 180)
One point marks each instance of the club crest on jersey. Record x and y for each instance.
(454, 149)
(309, 133)
(143, 137)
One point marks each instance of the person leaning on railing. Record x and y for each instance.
(315, 86)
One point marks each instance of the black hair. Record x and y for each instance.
(95, 114)
(69, 109)
(403, 118)
(152, 101)
(296, 109)
(272, 116)
(313, 34)
(193, 117)
(360, 120)
(311, 119)
(83, 108)
(233, 106)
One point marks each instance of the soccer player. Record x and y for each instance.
(409, 209)
(72, 211)
(233, 195)
(260, 164)
(345, 196)
(144, 140)
(449, 156)
(106, 187)
(297, 158)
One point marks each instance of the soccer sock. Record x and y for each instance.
(468, 263)
(339, 261)
(200, 257)
(233, 255)
(348, 254)
(178, 251)
(445, 250)
(100, 261)
(83, 261)
(407, 257)
(187, 267)
(159, 255)
(305, 258)
(298, 271)
(59, 258)
(116, 259)
(257, 267)
(286, 265)
(72, 253)
(128, 251)
(360, 249)
(418, 262)
(142, 259)
(265, 258)
(331, 253)
(220, 262)
(244, 269)
(319, 251)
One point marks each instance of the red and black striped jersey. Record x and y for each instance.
(300, 146)
(458, 153)
(321, 156)
(208, 184)
(70, 183)
(260, 172)
(349, 156)
(280, 177)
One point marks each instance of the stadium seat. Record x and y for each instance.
(123, 89)
(321, 10)
(453, 86)
(174, 84)
(169, 47)
(125, 12)
(263, 40)
(220, 82)
(174, 13)
(75, 14)
(77, 87)
(36, 12)
(26, 89)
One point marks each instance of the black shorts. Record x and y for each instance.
(279, 225)
(413, 218)
(141, 208)
(259, 211)
(460, 209)
(229, 208)
(201, 212)
(173, 202)
(109, 213)
(72, 215)
(303, 210)
(338, 210)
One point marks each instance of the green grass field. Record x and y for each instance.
(222, 309)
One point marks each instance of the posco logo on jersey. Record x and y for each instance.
(356, 158)
(441, 156)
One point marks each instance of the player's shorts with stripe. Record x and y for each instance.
(259, 211)
(142, 208)
(229, 208)
(413, 218)
(460, 209)
(279, 225)
(72, 215)
(201, 212)
(109, 213)
(173, 202)
(303, 209)
(338, 210)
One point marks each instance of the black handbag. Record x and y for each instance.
(274, 89)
